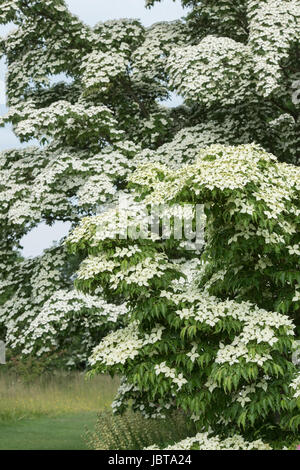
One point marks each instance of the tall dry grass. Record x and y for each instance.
(134, 432)
(62, 393)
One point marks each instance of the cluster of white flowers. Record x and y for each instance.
(186, 143)
(118, 346)
(127, 252)
(193, 355)
(97, 189)
(123, 344)
(269, 189)
(259, 324)
(243, 65)
(232, 354)
(168, 372)
(150, 59)
(65, 312)
(295, 385)
(41, 318)
(274, 28)
(141, 273)
(205, 441)
(60, 51)
(63, 120)
(123, 390)
(197, 72)
(95, 265)
(99, 69)
(243, 398)
(59, 183)
(296, 297)
(212, 170)
(123, 36)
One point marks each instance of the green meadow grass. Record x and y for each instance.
(63, 432)
(62, 394)
(51, 413)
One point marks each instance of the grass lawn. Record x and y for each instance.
(48, 433)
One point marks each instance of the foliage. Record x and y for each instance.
(30, 368)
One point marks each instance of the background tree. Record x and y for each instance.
(90, 126)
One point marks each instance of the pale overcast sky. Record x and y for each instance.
(90, 11)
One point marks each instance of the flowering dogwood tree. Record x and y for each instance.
(211, 333)
(218, 343)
